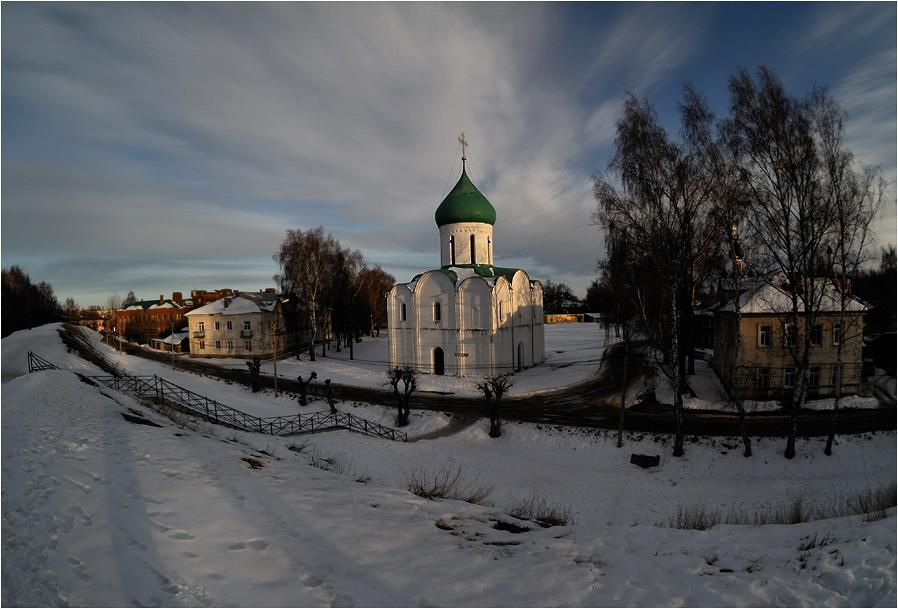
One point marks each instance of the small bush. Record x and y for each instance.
(537, 509)
(447, 483)
(872, 504)
(337, 464)
(695, 517)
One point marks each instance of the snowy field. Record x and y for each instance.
(103, 512)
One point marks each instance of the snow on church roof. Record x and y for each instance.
(458, 273)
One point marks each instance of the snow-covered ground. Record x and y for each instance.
(100, 511)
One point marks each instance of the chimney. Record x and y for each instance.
(177, 296)
(161, 298)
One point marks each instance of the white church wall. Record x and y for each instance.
(400, 322)
(473, 306)
(457, 237)
(435, 288)
(502, 345)
(539, 338)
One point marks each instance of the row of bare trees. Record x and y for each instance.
(327, 281)
(26, 305)
(778, 168)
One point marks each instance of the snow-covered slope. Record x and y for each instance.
(100, 511)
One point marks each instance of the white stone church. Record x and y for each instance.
(468, 317)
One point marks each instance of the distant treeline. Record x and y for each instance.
(26, 305)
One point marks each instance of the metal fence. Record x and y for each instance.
(38, 364)
(181, 399)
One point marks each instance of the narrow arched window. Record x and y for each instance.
(473, 245)
(436, 311)
(402, 312)
(452, 249)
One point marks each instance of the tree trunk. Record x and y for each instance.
(832, 430)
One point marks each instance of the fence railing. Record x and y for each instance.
(36, 363)
(170, 394)
(177, 397)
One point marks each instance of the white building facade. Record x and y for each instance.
(468, 317)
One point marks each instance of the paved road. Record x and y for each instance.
(580, 405)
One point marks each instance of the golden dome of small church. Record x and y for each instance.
(468, 317)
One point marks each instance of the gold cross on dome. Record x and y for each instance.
(464, 145)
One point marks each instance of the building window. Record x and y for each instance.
(230, 345)
(765, 336)
(817, 335)
(473, 245)
(452, 249)
(835, 382)
(202, 344)
(402, 312)
(247, 325)
(230, 327)
(436, 311)
(202, 326)
(218, 342)
(789, 377)
(218, 325)
(837, 334)
(814, 377)
(763, 378)
(248, 345)
(791, 335)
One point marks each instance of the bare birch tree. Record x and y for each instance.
(306, 260)
(659, 196)
(856, 195)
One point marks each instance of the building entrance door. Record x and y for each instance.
(438, 361)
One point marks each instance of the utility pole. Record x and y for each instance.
(172, 341)
(274, 342)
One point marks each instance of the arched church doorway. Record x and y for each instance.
(438, 361)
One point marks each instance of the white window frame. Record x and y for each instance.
(201, 326)
(789, 372)
(247, 325)
(217, 325)
(765, 334)
(230, 325)
(837, 334)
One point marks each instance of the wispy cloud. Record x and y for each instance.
(196, 134)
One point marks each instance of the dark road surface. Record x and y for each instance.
(580, 405)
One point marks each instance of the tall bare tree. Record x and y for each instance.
(797, 175)
(375, 284)
(856, 194)
(658, 202)
(306, 260)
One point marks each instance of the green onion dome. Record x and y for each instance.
(465, 203)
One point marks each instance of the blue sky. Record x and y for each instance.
(168, 147)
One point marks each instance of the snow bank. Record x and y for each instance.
(100, 511)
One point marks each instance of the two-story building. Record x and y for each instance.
(764, 368)
(242, 325)
(147, 319)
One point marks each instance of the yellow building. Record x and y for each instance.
(765, 368)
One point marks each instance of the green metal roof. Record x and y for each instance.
(465, 203)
